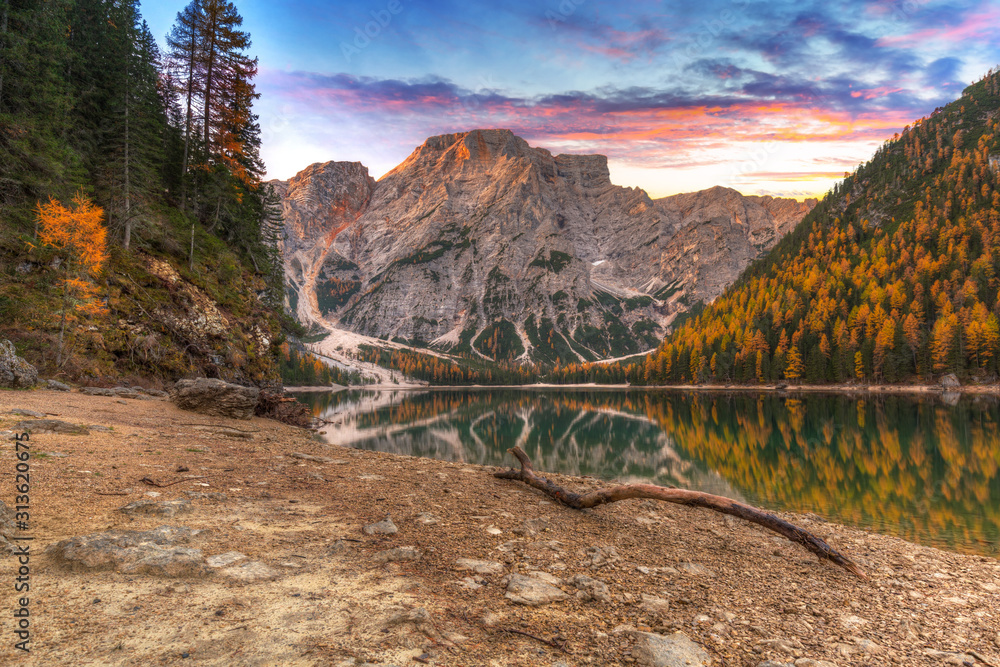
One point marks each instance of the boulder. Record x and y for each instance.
(215, 397)
(676, 650)
(383, 527)
(167, 508)
(479, 566)
(590, 589)
(950, 381)
(15, 372)
(531, 591)
(51, 426)
(56, 385)
(396, 555)
(156, 551)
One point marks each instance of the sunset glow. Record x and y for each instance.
(775, 98)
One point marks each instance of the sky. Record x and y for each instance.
(764, 96)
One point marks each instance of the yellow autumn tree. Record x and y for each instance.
(79, 235)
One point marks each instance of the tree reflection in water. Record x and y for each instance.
(915, 467)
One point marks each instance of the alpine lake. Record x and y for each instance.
(922, 467)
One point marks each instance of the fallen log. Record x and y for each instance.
(681, 497)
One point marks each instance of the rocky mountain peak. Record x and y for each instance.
(477, 149)
(481, 244)
(322, 198)
(500, 150)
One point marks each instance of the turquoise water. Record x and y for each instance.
(921, 468)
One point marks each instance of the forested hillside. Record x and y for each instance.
(892, 277)
(161, 151)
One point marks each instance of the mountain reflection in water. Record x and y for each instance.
(915, 467)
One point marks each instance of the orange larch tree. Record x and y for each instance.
(79, 234)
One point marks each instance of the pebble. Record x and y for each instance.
(809, 662)
(428, 518)
(383, 527)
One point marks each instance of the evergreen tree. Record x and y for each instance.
(184, 66)
(34, 98)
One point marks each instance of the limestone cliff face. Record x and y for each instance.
(717, 233)
(480, 243)
(319, 203)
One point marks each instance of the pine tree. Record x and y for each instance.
(184, 66)
(137, 149)
(34, 98)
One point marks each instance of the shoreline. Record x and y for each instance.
(925, 389)
(319, 590)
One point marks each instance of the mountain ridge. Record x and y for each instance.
(892, 277)
(478, 243)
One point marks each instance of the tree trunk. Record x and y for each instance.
(218, 205)
(191, 253)
(62, 323)
(682, 497)
(188, 121)
(128, 198)
(212, 28)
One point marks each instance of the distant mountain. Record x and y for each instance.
(894, 275)
(479, 243)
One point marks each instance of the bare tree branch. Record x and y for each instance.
(681, 497)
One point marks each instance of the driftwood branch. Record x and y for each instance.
(161, 485)
(682, 497)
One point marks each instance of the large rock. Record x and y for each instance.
(56, 426)
(156, 551)
(215, 397)
(950, 381)
(532, 591)
(15, 372)
(164, 508)
(676, 650)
